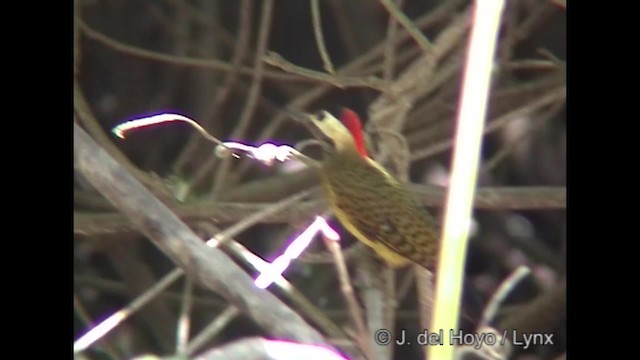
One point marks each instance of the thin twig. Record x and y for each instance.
(355, 312)
(530, 64)
(501, 293)
(543, 314)
(337, 80)
(259, 216)
(86, 319)
(389, 58)
(213, 329)
(184, 320)
(317, 31)
(86, 117)
(118, 317)
(139, 277)
(119, 288)
(411, 28)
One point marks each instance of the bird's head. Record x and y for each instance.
(346, 133)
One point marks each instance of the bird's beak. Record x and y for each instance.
(297, 115)
(308, 121)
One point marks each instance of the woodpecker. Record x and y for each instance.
(368, 201)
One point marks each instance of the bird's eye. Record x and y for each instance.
(320, 115)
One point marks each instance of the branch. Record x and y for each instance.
(210, 266)
(317, 30)
(341, 81)
(411, 28)
(507, 198)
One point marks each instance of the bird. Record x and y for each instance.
(369, 202)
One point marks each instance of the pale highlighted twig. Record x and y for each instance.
(112, 321)
(464, 172)
(84, 316)
(498, 297)
(500, 349)
(241, 253)
(297, 246)
(121, 129)
(266, 153)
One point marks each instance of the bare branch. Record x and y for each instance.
(317, 30)
(411, 28)
(514, 198)
(337, 80)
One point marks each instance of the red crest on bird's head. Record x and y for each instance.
(352, 122)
